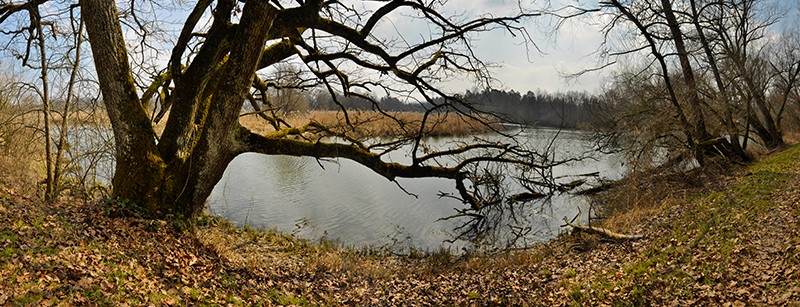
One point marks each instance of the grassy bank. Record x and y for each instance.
(735, 240)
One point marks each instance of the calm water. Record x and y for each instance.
(344, 201)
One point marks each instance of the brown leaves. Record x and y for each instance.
(718, 250)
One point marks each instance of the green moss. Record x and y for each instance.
(28, 299)
(709, 227)
(7, 252)
(286, 299)
(8, 236)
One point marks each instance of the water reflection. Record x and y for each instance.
(344, 201)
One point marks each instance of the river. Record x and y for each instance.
(343, 201)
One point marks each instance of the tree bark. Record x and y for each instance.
(214, 149)
(697, 118)
(140, 168)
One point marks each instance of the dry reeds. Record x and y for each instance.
(641, 195)
(20, 153)
(375, 124)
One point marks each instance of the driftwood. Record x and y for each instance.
(526, 196)
(605, 233)
(596, 189)
(571, 185)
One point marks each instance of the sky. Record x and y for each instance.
(570, 49)
(565, 51)
(561, 52)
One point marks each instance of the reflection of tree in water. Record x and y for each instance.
(503, 225)
(516, 204)
(293, 173)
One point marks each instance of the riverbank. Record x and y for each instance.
(735, 240)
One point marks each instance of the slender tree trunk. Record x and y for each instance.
(45, 94)
(771, 135)
(696, 116)
(62, 137)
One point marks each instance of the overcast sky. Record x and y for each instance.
(567, 51)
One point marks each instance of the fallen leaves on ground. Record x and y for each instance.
(736, 246)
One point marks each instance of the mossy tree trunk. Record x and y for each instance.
(176, 175)
(139, 166)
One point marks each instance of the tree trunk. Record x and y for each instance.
(216, 148)
(139, 170)
(48, 155)
(62, 135)
(696, 116)
(771, 135)
(177, 175)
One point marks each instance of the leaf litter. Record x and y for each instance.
(734, 246)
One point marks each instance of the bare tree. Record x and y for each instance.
(715, 75)
(50, 43)
(214, 69)
(740, 28)
(786, 64)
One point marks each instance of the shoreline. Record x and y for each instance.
(735, 239)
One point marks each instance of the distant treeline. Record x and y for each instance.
(565, 109)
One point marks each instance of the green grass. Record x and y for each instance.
(711, 227)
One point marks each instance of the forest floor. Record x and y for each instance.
(735, 243)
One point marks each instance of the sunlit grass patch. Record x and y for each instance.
(712, 237)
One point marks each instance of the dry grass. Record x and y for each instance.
(792, 137)
(21, 153)
(259, 249)
(374, 124)
(639, 196)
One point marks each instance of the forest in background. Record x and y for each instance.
(571, 110)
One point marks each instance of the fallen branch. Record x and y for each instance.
(596, 189)
(526, 196)
(605, 233)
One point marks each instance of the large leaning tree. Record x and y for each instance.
(216, 66)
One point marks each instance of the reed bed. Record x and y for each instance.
(376, 124)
